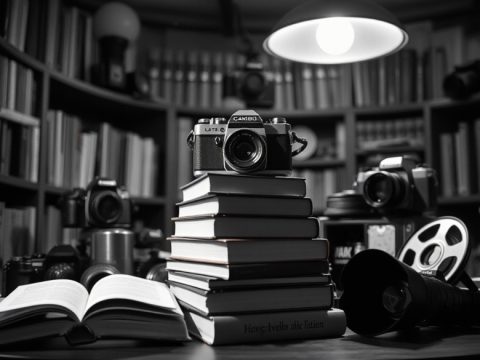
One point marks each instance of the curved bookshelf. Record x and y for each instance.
(18, 183)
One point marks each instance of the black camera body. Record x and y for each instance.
(243, 144)
(463, 82)
(252, 84)
(61, 262)
(102, 204)
(399, 185)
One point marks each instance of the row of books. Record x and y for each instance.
(246, 264)
(322, 182)
(459, 165)
(18, 89)
(53, 31)
(374, 134)
(17, 231)
(195, 79)
(76, 154)
(19, 146)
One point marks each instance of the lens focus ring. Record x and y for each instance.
(245, 151)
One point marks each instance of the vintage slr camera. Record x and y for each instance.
(244, 144)
(61, 262)
(399, 185)
(252, 84)
(463, 82)
(102, 204)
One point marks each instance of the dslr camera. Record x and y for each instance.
(463, 82)
(61, 262)
(244, 144)
(399, 185)
(251, 83)
(102, 204)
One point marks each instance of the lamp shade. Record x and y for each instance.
(116, 19)
(335, 32)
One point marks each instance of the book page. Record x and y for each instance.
(65, 293)
(129, 287)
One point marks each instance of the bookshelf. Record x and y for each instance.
(350, 127)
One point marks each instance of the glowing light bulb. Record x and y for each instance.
(335, 36)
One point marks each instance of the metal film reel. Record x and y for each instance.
(442, 245)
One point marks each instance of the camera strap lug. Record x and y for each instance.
(296, 139)
(191, 139)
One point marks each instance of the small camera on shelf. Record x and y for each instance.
(399, 185)
(463, 82)
(245, 144)
(252, 83)
(61, 262)
(102, 204)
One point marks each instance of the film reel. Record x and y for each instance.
(442, 245)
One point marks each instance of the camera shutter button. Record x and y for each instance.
(219, 120)
(204, 121)
(279, 120)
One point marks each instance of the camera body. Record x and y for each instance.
(102, 204)
(61, 262)
(463, 82)
(252, 84)
(243, 144)
(399, 185)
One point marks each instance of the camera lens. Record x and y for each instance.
(245, 151)
(106, 207)
(253, 84)
(382, 189)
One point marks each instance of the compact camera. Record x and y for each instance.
(102, 204)
(251, 83)
(463, 82)
(244, 144)
(61, 262)
(399, 185)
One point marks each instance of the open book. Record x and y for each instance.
(118, 306)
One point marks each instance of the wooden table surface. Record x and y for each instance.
(424, 343)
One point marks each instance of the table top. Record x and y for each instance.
(422, 343)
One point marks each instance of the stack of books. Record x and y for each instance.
(246, 264)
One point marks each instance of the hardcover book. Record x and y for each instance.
(243, 184)
(231, 251)
(214, 204)
(233, 301)
(118, 306)
(263, 327)
(210, 227)
(212, 283)
(279, 269)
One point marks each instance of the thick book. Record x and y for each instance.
(211, 227)
(232, 251)
(233, 301)
(212, 283)
(118, 306)
(265, 327)
(261, 270)
(243, 184)
(213, 204)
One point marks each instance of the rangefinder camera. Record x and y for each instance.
(245, 144)
(399, 184)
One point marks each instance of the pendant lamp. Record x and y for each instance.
(336, 32)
